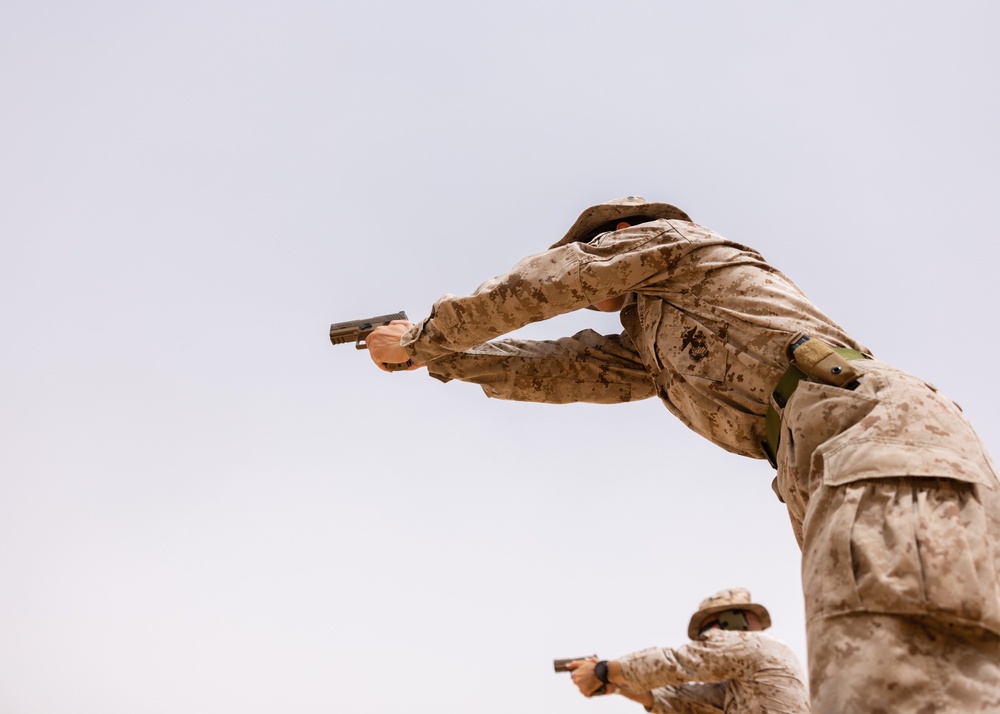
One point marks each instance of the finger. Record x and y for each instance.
(398, 366)
(378, 362)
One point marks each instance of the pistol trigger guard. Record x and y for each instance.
(360, 344)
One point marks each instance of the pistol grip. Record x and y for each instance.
(398, 367)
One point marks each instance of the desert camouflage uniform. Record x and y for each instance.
(724, 671)
(891, 495)
(690, 698)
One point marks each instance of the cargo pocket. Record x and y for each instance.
(914, 546)
(911, 431)
(958, 554)
(828, 580)
(816, 416)
(897, 522)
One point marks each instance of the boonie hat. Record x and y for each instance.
(730, 599)
(602, 213)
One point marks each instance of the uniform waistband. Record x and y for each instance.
(779, 398)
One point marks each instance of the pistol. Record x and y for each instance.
(559, 665)
(357, 330)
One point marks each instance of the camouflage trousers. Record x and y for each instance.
(897, 509)
(900, 594)
(888, 664)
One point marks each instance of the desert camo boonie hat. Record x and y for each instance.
(730, 599)
(602, 213)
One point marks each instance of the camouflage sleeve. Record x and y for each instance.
(544, 285)
(693, 698)
(716, 658)
(587, 367)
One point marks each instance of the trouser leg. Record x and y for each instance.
(927, 547)
(889, 664)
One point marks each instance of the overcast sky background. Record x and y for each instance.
(208, 508)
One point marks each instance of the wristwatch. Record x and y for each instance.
(601, 671)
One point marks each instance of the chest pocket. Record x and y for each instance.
(684, 345)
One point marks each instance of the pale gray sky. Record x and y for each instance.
(208, 508)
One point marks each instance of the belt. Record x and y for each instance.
(780, 396)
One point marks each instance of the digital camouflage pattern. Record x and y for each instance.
(689, 698)
(895, 504)
(706, 324)
(747, 673)
(891, 495)
(886, 664)
(906, 498)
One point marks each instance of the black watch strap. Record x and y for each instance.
(601, 671)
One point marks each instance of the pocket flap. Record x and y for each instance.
(859, 459)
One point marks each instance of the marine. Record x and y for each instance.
(730, 666)
(891, 495)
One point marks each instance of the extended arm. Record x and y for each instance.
(544, 285)
(586, 367)
(690, 698)
(719, 657)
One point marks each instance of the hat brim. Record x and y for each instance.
(699, 617)
(602, 213)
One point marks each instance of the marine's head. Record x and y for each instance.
(608, 216)
(730, 609)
